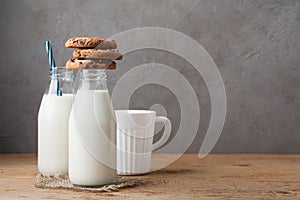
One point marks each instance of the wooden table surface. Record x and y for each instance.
(214, 177)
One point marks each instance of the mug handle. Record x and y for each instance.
(167, 132)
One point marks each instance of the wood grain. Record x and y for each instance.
(214, 177)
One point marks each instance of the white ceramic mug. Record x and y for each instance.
(135, 131)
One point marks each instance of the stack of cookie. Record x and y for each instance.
(92, 53)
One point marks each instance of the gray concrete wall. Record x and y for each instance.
(255, 45)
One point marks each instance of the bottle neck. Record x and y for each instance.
(92, 79)
(61, 81)
(61, 74)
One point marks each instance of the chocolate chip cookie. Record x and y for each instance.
(97, 53)
(90, 64)
(90, 42)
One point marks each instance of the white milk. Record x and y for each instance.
(53, 133)
(93, 110)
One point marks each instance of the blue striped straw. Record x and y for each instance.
(52, 65)
(50, 54)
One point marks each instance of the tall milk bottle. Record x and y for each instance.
(53, 120)
(92, 132)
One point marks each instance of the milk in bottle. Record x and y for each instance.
(53, 119)
(92, 132)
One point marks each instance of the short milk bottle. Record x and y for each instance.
(92, 132)
(53, 119)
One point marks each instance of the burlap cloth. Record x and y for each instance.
(63, 182)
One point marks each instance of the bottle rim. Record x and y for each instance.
(61, 72)
(92, 74)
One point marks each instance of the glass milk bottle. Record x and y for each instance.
(53, 119)
(92, 132)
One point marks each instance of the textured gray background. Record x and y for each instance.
(255, 44)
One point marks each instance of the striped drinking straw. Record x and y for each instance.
(52, 66)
